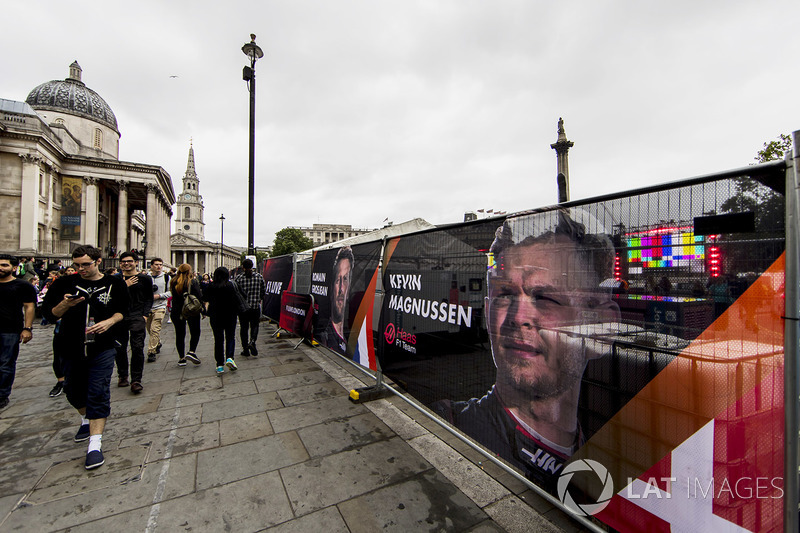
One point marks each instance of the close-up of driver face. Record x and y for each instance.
(341, 289)
(539, 290)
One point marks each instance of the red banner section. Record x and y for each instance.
(297, 313)
(277, 275)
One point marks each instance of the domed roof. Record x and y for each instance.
(74, 97)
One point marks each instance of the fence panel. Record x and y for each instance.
(624, 354)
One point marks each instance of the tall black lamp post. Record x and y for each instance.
(253, 51)
(222, 240)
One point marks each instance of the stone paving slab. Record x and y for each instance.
(248, 458)
(310, 393)
(242, 428)
(328, 520)
(325, 481)
(339, 435)
(291, 381)
(309, 414)
(187, 439)
(427, 502)
(243, 405)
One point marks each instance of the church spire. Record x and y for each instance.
(190, 172)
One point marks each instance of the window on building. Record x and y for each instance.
(53, 188)
(41, 183)
(98, 138)
(187, 213)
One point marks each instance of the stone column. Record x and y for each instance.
(122, 217)
(92, 208)
(150, 224)
(48, 215)
(29, 202)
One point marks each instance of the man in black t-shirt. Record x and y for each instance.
(89, 306)
(140, 291)
(16, 297)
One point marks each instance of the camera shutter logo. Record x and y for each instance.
(585, 465)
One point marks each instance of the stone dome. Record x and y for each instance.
(74, 97)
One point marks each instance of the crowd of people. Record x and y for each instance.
(110, 318)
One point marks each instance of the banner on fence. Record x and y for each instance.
(277, 274)
(297, 314)
(343, 285)
(625, 355)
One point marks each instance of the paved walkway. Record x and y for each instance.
(276, 446)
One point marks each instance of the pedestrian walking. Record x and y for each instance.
(222, 306)
(90, 305)
(140, 293)
(17, 308)
(156, 317)
(181, 285)
(252, 287)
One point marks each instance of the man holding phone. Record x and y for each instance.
(89, 306)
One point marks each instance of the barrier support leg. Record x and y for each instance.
(367, 394)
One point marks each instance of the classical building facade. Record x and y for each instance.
(62, 183)
(188, 244)
(328, 233)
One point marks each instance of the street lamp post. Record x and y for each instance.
(253, 51)
(221, 240)
(144, 252)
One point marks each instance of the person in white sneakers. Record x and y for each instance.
(90, 306)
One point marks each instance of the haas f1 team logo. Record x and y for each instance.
(402, 339)
(389, 334)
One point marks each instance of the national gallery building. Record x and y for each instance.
(62, 183)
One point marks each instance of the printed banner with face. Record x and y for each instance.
(71, 194)
(343, 285)
(297, 313)
(625, 355)
(277, 274)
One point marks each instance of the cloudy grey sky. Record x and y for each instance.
(396, 109)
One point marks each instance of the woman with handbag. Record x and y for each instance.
(223, 305)
(186, 309)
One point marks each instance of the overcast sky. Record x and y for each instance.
(369, 109)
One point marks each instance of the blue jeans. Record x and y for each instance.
(89, 382)
(9, 350)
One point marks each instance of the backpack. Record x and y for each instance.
(191, 304)
(241, 301)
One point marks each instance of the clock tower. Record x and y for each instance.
(189, 219)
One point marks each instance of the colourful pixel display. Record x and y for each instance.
(663, 251)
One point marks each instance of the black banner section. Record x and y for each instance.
(343, 285)
(297, 313)
(277, 275)
(433, 337)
